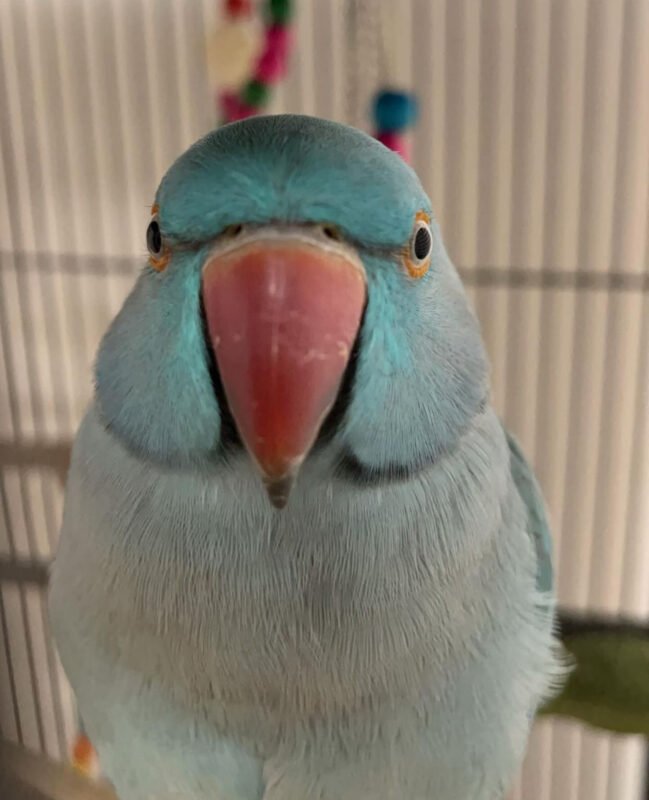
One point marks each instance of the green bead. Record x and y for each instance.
(255, 94)
(281, 11)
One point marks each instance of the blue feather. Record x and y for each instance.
(538, 526)
(379, 638)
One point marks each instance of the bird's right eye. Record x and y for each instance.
(158, 254)
(154, 239)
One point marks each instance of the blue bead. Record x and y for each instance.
(395, 111)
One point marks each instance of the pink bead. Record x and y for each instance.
(229, 103)
(244, 112)
(270, 67)
(389, 139)
(238, 8)
(272, 62)
(403, 149)
(233, 109)
(278, 39)
(396, 142)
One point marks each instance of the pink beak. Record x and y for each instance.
(282, 314)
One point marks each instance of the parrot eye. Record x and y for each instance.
(154, 239)
(332, 232)
(159, 255)
(232, 231)
(419, 250)
(422, 242)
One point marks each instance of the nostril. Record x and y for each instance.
(233, 230)
(332, 232)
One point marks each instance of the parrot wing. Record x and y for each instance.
(538, 526)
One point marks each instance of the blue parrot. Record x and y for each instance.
(300, 559)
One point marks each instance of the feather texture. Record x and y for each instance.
(384, 637)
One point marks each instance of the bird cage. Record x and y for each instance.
(533, 142)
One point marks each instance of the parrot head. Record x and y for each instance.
(297, 297)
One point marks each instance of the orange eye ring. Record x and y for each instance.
(160, 264)
(418, 267)
(159, 253)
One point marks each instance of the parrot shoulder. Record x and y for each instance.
(537, 519)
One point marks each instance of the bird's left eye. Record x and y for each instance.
(421, 243)
(420, 246)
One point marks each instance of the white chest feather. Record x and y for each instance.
(353, 608)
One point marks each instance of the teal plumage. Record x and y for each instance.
(537, 523)
(389, 632)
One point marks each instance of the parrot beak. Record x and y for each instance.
(283, 310)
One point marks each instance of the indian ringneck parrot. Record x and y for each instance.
(301, 558)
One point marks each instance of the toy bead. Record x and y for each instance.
(402, 149)
(231, 52)
(255, 94)
(270, 67)
(388, 138)
(272, 63)
(395, 111)
(278, 38)
(238, 8)
(229, 104)
(233, 108)
(243, 66)
(395, 141)
(280, 11)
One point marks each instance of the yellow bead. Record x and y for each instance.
(231, 52)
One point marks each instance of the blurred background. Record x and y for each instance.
(533, 142)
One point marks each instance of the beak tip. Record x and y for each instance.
(279, 489)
